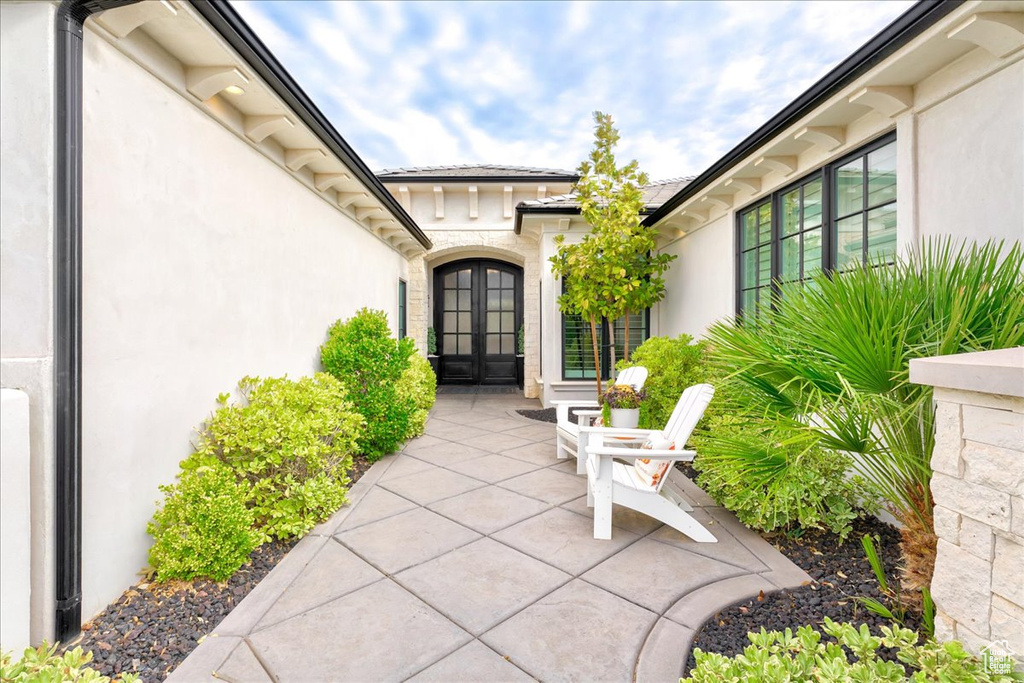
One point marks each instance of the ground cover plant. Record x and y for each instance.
(45, 665)
(850, 653)
(362, 354)
(417, 387)
(826, 371)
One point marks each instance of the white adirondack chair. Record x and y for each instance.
(644, 486)
(567, 432)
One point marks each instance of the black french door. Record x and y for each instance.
(478, 308)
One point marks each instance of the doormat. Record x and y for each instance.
(457, 389)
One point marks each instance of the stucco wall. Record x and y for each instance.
(204, 262)
(699, 285)
(490, 202)
(26, 255)
(15, 522)
(971, 163)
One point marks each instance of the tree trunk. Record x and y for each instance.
(597, 355)
(625, 347)
(611, 338)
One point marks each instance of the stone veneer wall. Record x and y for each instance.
(503, 245)
(978, 489)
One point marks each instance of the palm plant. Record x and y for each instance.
(831, 360)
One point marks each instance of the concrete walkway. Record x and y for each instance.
(470, 557)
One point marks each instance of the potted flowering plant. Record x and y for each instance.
(621, 406)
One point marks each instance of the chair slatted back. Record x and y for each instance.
(684, 418)
(634, 377)
(687, 413)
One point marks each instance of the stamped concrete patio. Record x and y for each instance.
(469, 556)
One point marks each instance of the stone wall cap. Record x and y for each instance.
(990, 372)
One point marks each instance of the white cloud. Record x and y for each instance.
(515, 83)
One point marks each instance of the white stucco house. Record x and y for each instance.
(176, 213)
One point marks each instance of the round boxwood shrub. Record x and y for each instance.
(362, 354)
(204, 527)
(418, 387)
(291, 443)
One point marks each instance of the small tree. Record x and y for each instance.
(614, 270)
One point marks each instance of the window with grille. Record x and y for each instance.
(841, 215)
(578, 349)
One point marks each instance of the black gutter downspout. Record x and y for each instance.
(67, 310)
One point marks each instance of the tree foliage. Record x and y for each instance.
(615, 269)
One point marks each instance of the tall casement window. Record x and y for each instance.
(756, 257)
(403, 310)
(865, 207)
(578, 350)
(841, 215)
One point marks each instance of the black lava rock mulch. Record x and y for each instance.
(841, 573)
(152, 627)
(549, 415)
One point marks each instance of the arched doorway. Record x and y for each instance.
(478, 309)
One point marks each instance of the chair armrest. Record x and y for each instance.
(562, 408)
(644, 453)
(586, 417)
(617, 431)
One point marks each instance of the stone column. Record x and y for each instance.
(978, 490)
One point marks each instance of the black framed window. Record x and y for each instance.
(841, 215)
(403, 310)
(756, 256)
(800, 231)
(865, 206)
(578, 348)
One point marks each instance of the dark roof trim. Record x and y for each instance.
(526, 208)
(905, 28)
(551, 210)
(457, 179)
(244, 41)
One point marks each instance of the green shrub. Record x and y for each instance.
(204, 528)
(770, 481)
(291, 442)
(44, 665)
(830, 360)
(788, 657)
(775, 483)
(418, 387)
(672, 366)
(362, 353)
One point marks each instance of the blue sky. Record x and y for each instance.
(435, 83)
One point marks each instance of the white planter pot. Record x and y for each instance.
(625, 418)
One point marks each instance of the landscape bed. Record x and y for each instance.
(153, 627)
